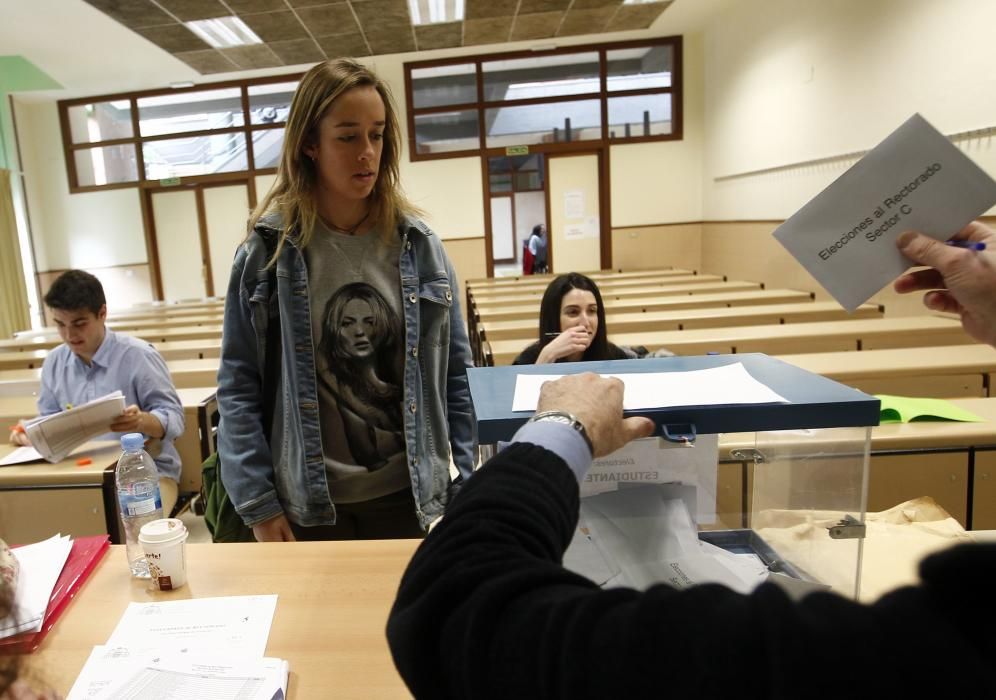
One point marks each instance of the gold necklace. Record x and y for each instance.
(353, 229)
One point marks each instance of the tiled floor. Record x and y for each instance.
(195, 526)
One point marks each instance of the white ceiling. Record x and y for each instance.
(89, 53)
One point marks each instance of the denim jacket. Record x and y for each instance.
(264, 479)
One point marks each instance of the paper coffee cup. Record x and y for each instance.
(164, 543)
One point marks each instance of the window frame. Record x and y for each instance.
(675, 90)
(136, 140)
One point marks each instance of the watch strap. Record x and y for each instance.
(568, 419)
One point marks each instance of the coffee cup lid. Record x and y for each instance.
(162, 530)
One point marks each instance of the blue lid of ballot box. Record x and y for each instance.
(813, 400)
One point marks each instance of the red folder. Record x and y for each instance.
(83, 559)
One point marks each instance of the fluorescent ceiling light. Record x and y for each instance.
(223, 32)
(639, 2)
(435, 11)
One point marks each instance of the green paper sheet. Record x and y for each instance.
(904, 409)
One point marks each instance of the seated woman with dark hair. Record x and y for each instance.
(571, 325)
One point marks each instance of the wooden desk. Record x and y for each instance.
(193, 445)
(641, 295)
(490, 313)
(333, 599)
(156, 336)
(698, 318)
(937, 371)
(597, 276)
(40, 499)
(209, 347)
(616, 286)
(532, 301)
(869, 333)
(185, 373)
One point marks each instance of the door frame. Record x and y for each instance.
(149, 226)
(604, 215)
(576, 148)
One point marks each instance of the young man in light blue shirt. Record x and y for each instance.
(95, 361)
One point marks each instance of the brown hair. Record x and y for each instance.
(293, 192)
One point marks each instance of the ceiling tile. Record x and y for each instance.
(254, 56)
(636, 16)
(324, 20)
(439, 36)
(173, 37)
(382, 12)
(343, 45)
(390, 41)
(529, 7)
(297, 51)
(275, 26)
(188, 10)
(248, 7)
(540, 25)
(210, 61)
(491, 30)
(479, 9)
(133, 13)
(586, 21)
(591, 4)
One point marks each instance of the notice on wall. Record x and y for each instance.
(574, 205)
(916, 179)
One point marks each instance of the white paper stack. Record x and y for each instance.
(58, 434)
(40, 565)
(171, 650)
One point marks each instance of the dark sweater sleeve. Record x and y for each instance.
(528, 356)
(485, 610)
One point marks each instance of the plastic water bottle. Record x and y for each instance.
(137, 481)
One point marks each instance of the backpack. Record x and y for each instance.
(222, 520)
(224, 524)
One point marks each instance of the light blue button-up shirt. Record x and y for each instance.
(124, 364)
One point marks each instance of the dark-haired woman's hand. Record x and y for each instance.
(573, 341)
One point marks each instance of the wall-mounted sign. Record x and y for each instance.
(517, 150)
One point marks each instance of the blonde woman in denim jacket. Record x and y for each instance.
(295, 460)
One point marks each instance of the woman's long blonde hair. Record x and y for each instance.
(293, 192)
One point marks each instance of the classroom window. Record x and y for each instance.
(195, 133)
(100, 121)
(441, 86)
(556, 122)
(547, 100)
(106, 165)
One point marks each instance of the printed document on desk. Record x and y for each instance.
(58, 434)
(238, 624)
(114, 674)
(915, 179)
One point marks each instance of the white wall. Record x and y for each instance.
(88, 230)
(661, 182)
(787, 82)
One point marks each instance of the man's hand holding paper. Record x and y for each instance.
(916, 179)
(959, 281)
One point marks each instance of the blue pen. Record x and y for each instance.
(969, 245)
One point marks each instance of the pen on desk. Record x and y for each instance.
(970, 245)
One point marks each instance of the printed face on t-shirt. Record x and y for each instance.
(358, 329)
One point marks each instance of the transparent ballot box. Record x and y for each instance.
(758, 471)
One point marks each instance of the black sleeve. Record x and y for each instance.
(485, 610)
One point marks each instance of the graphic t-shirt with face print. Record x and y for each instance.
(358, 331)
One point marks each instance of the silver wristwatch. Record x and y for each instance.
(568, 419)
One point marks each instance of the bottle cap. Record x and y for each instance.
(132, 441)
